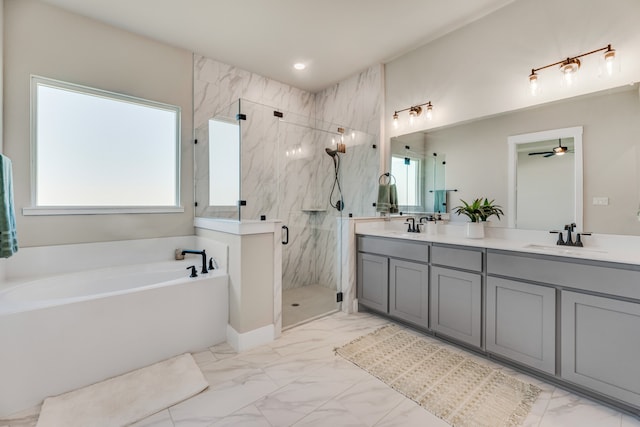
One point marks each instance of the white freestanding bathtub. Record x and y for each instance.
(67, 331)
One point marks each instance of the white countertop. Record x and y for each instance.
(597, 247)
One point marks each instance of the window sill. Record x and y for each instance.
(34, 211)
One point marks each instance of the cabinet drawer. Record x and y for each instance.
(595, 278)
(396, 248)
(449, 256)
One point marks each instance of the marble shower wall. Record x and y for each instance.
(286, 172)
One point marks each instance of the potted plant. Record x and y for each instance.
(478, 211)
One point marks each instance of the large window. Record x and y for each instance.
(98, 152)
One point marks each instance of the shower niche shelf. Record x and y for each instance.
(313, 210)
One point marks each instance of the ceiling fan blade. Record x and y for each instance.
(542, 152)
(549, 155)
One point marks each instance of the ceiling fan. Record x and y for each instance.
(557, 151)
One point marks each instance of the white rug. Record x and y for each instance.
(454, 387)
(126, 399)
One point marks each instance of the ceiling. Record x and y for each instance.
(334, 38)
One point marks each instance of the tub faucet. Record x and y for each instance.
(204, 258)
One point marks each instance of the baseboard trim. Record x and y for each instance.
(248, 340)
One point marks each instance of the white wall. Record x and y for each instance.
(482, 69)
(45, 40)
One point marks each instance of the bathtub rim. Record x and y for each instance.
(14, 307)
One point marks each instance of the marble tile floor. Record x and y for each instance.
(312, 301)
(298, 380)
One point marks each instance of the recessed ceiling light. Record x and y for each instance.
(299, 66)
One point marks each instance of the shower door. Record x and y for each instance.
(311, 271)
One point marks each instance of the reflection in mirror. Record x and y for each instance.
(419, 175)
(545, 177)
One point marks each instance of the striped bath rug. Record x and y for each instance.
(454, 387)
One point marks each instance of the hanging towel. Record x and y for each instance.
(393, 199)
(8, 237)
(383, 205)
(440, 201)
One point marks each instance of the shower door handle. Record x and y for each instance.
(286, 234)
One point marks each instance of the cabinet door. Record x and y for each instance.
(600, 345)
(456, 300)
(373, 281)
(409, 291)
(521, 323)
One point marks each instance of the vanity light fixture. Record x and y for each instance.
(414, 112)
(570, 66)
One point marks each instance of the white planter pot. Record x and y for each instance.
(475, 230)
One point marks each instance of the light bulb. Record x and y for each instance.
(300, 150)
(569, 68)
(395, 120)
(333, 141)
(609, 59)
(429, 111)
(533, 83)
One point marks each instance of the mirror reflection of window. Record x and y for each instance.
(224, 162)
(407, 171)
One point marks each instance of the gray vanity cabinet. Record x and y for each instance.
(600, 345)
(520, 322)
(393, 278)
(456, 295)
(409, 291)
(372, 283)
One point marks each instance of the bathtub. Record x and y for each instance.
(67, 331)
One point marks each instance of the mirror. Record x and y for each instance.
(419, 174)
(478, 159)
(545, 179)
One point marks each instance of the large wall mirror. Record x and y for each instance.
(606, 190)
(545, 179)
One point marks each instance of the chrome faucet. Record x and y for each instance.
(204, 258)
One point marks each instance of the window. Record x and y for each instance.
(99, 152)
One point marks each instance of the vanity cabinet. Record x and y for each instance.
(372, 283)
(456, 293)
(571, 318)
(521, 322)
(600, 345)
(409, 291)
(393, 278)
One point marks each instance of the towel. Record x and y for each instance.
(383, 205)
(393, 199)
(440, 201)
(8, 237)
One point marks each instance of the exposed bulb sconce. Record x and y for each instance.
(570, 66)
(414, 112)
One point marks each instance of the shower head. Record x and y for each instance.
(332, 153)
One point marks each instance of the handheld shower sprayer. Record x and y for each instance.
(330, 152)
(339, 205)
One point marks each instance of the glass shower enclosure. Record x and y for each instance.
(255, 162)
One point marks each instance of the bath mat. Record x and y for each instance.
(125, 399)
(448, 384)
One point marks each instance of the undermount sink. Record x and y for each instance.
(564, 250)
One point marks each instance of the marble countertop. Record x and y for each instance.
(609, 248)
